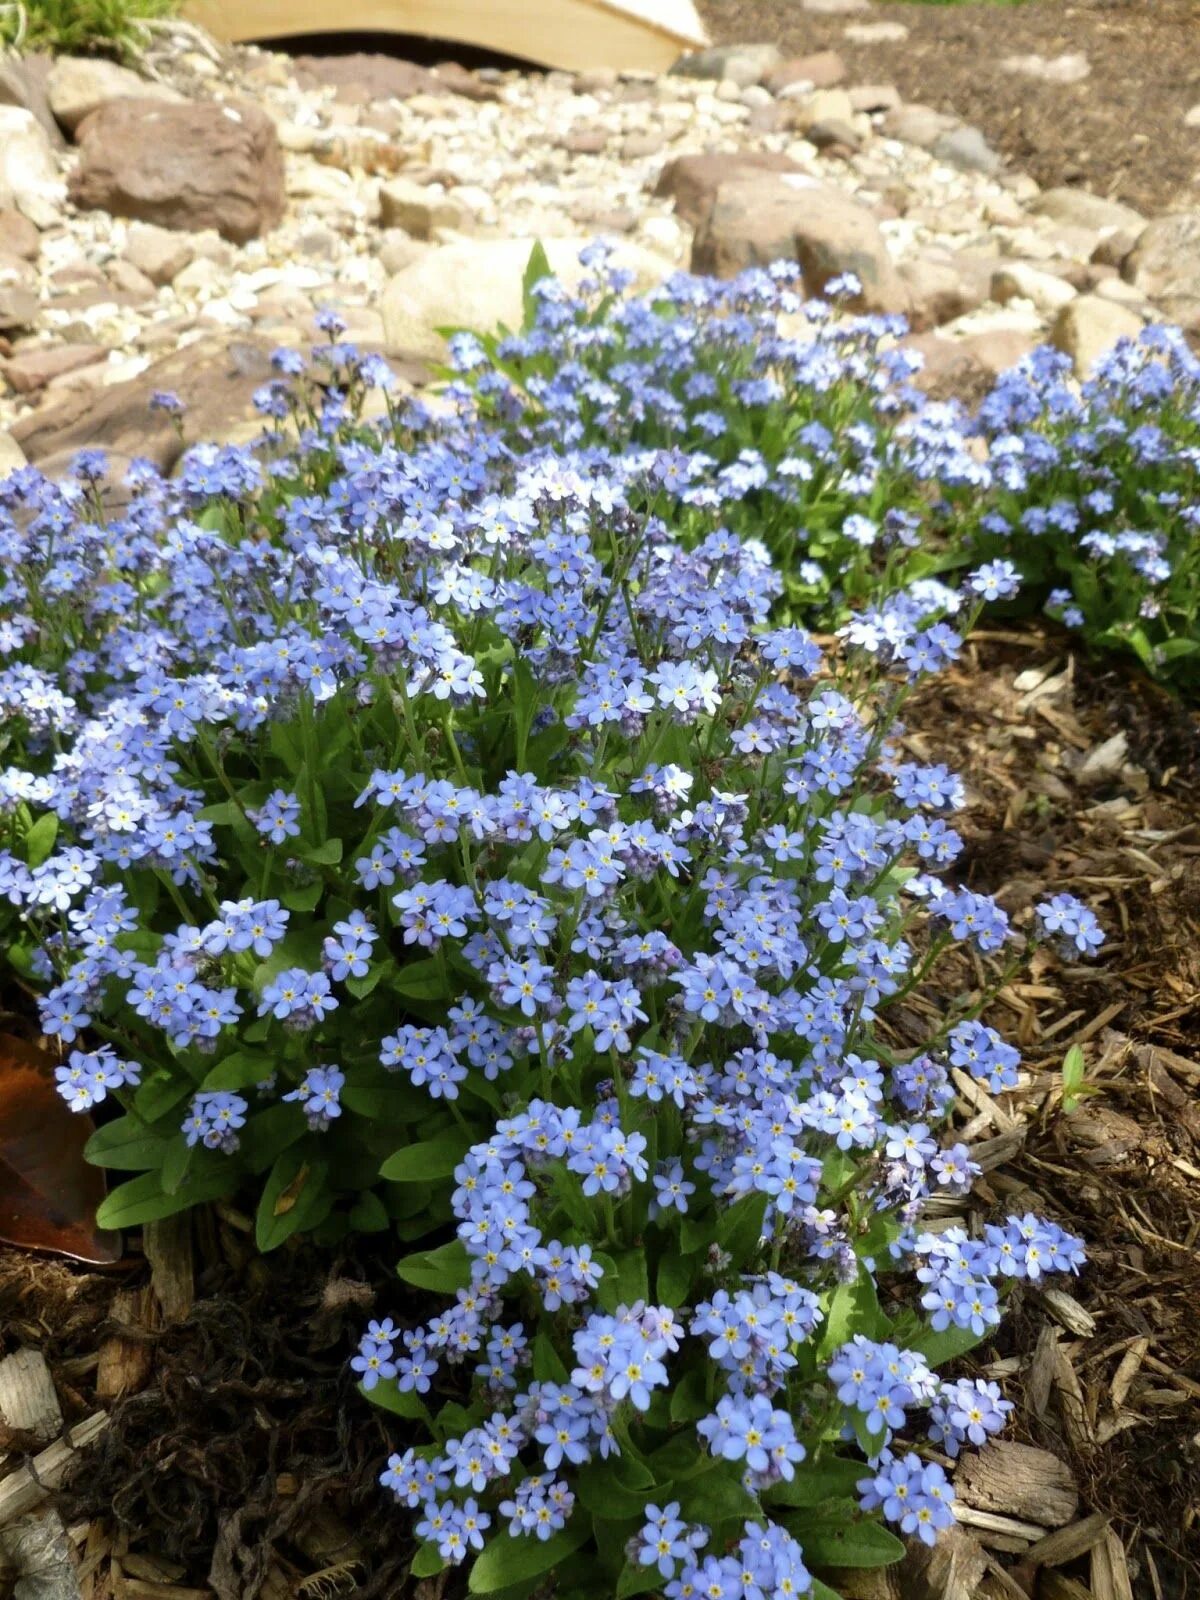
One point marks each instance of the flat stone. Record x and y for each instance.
(1082, 209)
(823, 105)
(418, 210)
(742, 64)
(1019, 281)
(78, 85)
(34, 369)
(917, 124)
(1191, 117)
(18, 307)
(215, 379)
(12, 457)
(822, 70)
(875, 32)
(23, 84)
(639, 146)
(585, 142)
(363, 76)
(835, 8)
(1064, 69)
(1165, 264)
(831, 135)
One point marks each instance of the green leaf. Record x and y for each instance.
(938, 1348)
(548, 1365)
(305, 898)
(834, 1538)
(718, 1495)
(127, 1144)
(822, 1591)
(826, 1478)
(294, 1198)
(420, 980)
(507, 1560)
(676, 1273)
(177, 1158)
(599, 1490)
(159, 1095)
(427, 1160)
(39, 841)
(536, 268)
(327, 854)
(853, 1308)
(240, 1070)
(638, 1580)
(427, 1563)
(740, 1227)
(388, 1397)
(368, 1214)
(142, 1199)
(443, 1271)
(689, 1399)
(1073, 1068)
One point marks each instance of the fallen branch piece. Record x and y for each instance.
(1018, 1480)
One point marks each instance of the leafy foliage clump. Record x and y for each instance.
(446, 826)
(77, 27)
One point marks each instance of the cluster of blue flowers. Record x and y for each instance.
(457, 798)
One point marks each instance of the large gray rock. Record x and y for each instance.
(742, 64)
(967, 149)
(79, 85)
(477, 284)
(692, 181)
(794, 218)
(29, 178)
(189, 166)
(1080, 209)
(1165, 264)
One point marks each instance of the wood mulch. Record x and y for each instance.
(1120, 132)
(230, 1457)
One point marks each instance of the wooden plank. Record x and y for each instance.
(647, 35)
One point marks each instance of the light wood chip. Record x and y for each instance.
(1065, 1544)
(1019, 1481)
(28, 1400)
(23, 1489)
(1109, 1571)
(1127, 1371)
(168, 1247)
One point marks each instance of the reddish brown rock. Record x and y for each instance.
(18, 236)
(822, 70)
(692, 181)
(189, 166)
(33, 370)
(769, 218)
(214, 380)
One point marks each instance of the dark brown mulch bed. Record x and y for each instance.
(1120, 132)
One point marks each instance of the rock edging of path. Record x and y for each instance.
(218, 204)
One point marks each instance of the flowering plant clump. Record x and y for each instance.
(1094, 496)
(798, 420)
(440, 829)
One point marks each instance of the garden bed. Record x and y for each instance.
(245, 1462)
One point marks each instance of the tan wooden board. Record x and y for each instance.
(645, 35)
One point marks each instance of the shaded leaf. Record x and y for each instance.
(49, 1194)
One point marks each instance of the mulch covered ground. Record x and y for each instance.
(1120, 132)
